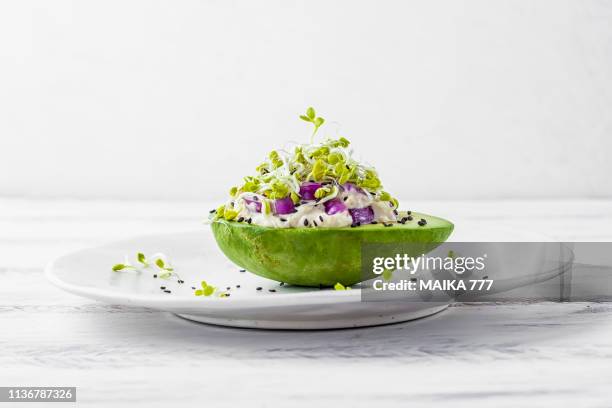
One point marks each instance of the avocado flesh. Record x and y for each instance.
(320, 256)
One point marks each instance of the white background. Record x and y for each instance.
(180, 99)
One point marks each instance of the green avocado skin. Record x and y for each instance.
(319, 256)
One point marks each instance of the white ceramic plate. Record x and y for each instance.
(196, 257)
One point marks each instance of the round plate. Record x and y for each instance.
(254, 301)
(195, 257)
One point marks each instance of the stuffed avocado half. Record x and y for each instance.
(303, 217)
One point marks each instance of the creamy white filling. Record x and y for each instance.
(313, 215)
(383, 212)
(353, 199)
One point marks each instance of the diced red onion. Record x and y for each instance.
(307, 190)
(334, 206)
(362, 215)
(284, 206)
(253, 204)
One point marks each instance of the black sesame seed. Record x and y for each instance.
(413, 279)
(155, 276)
(388, 225)
(281, 284)
(255, 198)
(242, 270)
(315, 223)
(374, 222)
(395, 212)
(162, 287)
(238, 286)
(168, 291)
(485, 277)
(249, 220)
(193, 287)
(283, 220)
(408, 212)
(240, 219)
(228, 288)
(409, 218)
(422, 223)
(271, 290)
(259, 288)
(321, 218)
(305, 222)
(212, 211)
(345, 198)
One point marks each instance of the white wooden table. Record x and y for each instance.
(506, 355)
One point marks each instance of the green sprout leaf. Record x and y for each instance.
(118, 267)
(339, 286)
(206, 290)
(310, 112)
(311, 116)
(142, 259)
(160, 263)
(387, 275)
(295, 198)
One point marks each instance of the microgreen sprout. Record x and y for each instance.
(387, 275)
(121, 267)
(206, 289)
(311, 116)
(164, 269)
(339, 286)
(142, 259)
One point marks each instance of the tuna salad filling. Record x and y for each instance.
(314, 185)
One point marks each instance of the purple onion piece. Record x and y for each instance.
(362, 215)
(253, 204)
(284, 206)
(334, 206)
(307, 190)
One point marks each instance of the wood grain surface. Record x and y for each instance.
(504, 355)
